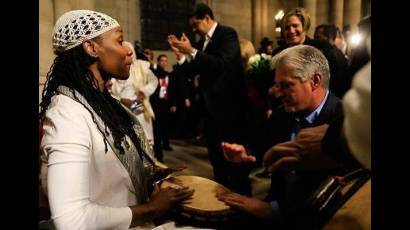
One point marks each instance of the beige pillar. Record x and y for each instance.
(310, 6)
(255, 5)
(265, 18)
(135, 21)
(274, 7)
(352, 13)
(336, 13)
(46, 25)
(260, 18)
(84, 4)
(322, 13)
(60, 7)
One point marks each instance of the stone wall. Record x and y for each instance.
(126, 12)
(252, 19)
(236, 14)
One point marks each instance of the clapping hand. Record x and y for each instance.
(171, 40)
(183, 45)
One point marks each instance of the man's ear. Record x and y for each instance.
(316, 81)
(207, 18)
(90, 48)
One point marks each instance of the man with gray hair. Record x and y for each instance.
(301, 83)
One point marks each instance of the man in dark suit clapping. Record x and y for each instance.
(216, 58)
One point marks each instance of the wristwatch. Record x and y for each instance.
(134, 105)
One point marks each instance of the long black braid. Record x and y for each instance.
(71, 69)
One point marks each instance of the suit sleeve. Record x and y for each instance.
(221, 59)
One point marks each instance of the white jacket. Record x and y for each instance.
(87, 187)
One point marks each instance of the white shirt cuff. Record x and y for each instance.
(193, 53)
(182, 60)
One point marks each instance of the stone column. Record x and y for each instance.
(265, 18)
(310, 6)
(260, 17)
(336, 13)
(351, 13)
(137, 27)
(60, 7)
(46, 25)
(322, 13)
(255, 21)
(84, 4)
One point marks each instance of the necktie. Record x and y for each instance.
(300, 123)
(207, 38)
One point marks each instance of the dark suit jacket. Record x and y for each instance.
(281, 123)
(221, 82)
(291, 189)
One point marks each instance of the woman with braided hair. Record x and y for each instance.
(100, 174)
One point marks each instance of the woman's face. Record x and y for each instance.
(114, 57)
(294, 31)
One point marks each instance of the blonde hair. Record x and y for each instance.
(247, 51)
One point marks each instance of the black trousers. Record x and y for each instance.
(232, 176)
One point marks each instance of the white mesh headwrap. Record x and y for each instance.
(73, 27)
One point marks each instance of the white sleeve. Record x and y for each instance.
(67, 144)
(117, 87)
(149, 88)
(182, 60)
(128, 90)
(357, 123)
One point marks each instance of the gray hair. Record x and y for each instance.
(305, 61)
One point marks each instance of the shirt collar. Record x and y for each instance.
(211, 31)
(313, 115)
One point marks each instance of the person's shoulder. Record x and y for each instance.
(333, 100)
(62, 104)
(279, 49)
(361, 83)
(61, 100)
(225, 28)
(334, 106)
(317, 43)
(145, 64)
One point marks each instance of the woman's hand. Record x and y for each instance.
(163, 199)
